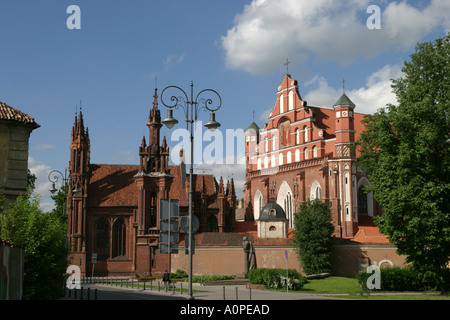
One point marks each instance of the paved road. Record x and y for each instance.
(215, 302)
(229, 292)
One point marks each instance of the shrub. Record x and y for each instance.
(276, 278)
(394, 279)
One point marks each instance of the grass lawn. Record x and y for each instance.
(332, 285)
(351, 290)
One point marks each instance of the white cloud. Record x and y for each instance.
(42, 184)
(43, 146)
(377, 92)
(173, 60)
(269, 31)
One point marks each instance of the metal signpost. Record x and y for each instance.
(287, 270)
(94, 261)
(169, 235)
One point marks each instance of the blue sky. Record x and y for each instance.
(235, 47)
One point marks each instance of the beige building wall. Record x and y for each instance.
(227, 260)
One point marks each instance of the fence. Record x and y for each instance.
(151, 284)
(175, 287)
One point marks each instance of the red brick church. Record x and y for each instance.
(113, 210)
(304, 152)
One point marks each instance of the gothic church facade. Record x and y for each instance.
(114, 210)
(304, 152)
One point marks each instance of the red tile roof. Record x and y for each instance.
(114, 186)
(12, 114)
(370, 235)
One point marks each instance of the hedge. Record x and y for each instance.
(394, 279)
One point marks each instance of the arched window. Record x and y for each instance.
(314, 151)
(257, 204)
(272, 161)
(297, 136)
(316, 191)
(280, 159)
(362, 201)
(365, 199)
(297, 155)
(266, 162)
(281, 103)
(291, 100)
(305, 133)
(258, 166)
(306, 153)
(120, 238)
(267, 144)
(286, 201)
(289, 208)
(289, 157)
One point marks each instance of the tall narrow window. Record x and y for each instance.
(102, 239)
(291, 100)
(362, 201)
(297, 155)
(120, 238)
(281, 103)
(289, 209)
(153, 218)
(305, 132)
(314, 151)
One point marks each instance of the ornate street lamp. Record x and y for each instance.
(191, 108)
(54, 179)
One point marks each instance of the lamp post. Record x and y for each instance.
(64, 178)
(54, 180)
(191, 108)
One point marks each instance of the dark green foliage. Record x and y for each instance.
(209, 278)
(313, 236)
(43, 235)
(400, 279)
(276, 278)
(405, 152)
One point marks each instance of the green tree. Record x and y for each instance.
(405, 153)
(313, 235)
(43, 237)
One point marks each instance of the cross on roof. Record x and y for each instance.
(287, 65)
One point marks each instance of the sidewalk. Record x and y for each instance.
(232, 292)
